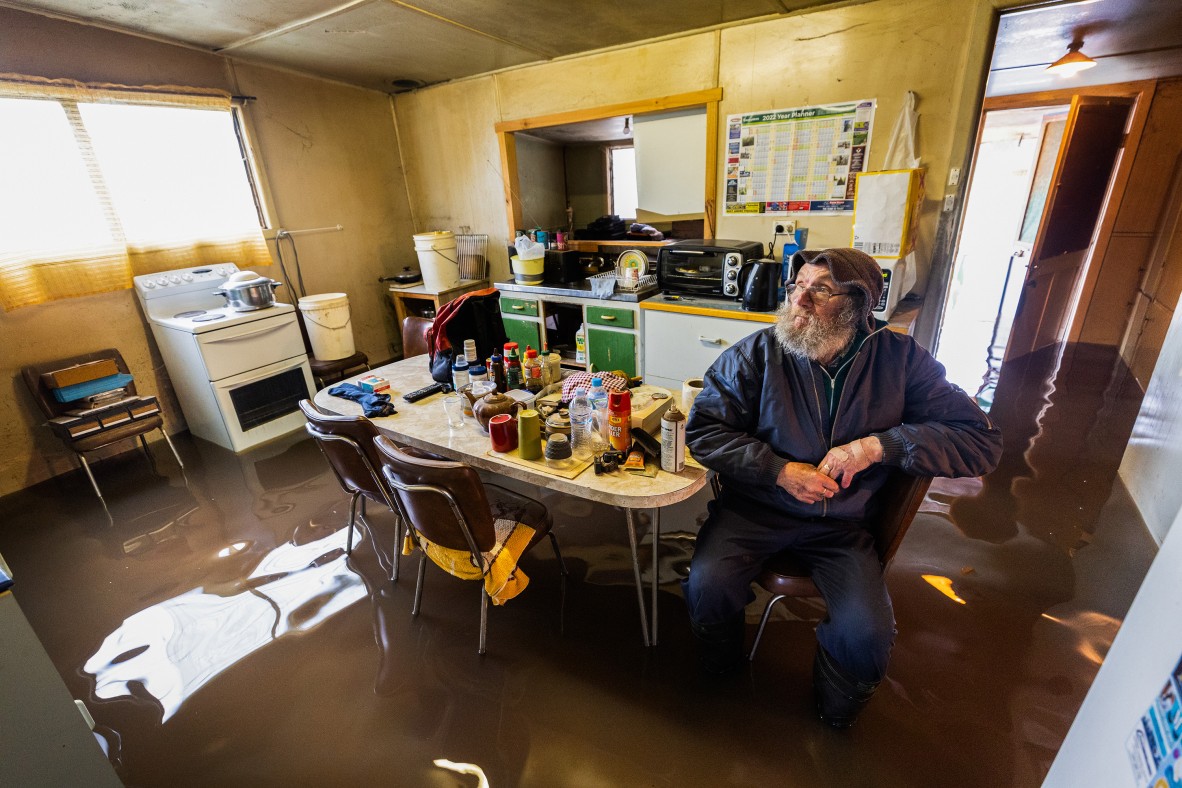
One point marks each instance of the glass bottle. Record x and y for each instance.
(513, 379)
(531, 370)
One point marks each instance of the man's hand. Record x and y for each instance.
(843, 463)
(805, 483)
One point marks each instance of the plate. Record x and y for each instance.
(633, 259)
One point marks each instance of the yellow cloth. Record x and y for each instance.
(504, 579)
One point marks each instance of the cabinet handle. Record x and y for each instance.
(518, 307)
(708, 341)
(607, 317)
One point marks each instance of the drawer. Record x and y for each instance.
(680, 346)
(519, 306)
(606, 316)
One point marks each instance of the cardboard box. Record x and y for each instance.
(73, 427)
(146, 406)
(80, 373)
(648, 418)
(886, 210)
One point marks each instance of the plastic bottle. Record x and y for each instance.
(470, 351)
(459, 372)
(580, 346)
(581, 425)
(619, 420)
(673, 440)
(598, 397)
(477, 372)
(531, 370)
(552, 370)
(513, 379)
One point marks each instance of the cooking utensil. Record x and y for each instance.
(246, 291)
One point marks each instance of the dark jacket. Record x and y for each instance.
(761, 408)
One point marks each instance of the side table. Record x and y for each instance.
(399, 296)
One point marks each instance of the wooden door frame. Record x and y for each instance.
(1142, 94)
(506, 130)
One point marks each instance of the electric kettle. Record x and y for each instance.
(759, 285)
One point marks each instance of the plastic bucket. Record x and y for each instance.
(528, 272)
(438, 260)
(326, 317)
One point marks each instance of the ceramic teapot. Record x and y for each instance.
(474, 392)
(491, 405)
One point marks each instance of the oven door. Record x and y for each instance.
(691, 271)
(263, 403)
(236, 349)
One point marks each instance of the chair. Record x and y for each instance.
(104, 437)
(448, 506)
(784, 575)
(325, 372)
(414, 335)
(347, 444)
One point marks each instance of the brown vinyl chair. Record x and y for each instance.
(414, 335)
(103, 438)
(447, 504)
(347, 444)
(785, 576)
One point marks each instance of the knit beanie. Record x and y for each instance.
(849, 268)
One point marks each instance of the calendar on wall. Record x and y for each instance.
(800, 160)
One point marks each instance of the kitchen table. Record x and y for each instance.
(423, 426)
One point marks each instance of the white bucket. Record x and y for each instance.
(438, 260)
(326, 316)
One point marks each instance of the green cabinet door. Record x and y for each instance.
(611, 350)
(523, 332)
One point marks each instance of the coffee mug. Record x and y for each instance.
(529, 434)
(502, 428)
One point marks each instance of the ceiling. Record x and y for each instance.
(389, 45)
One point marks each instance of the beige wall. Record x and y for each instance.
(586, 181)
(330, 154)
(874, 50)
(541, 176)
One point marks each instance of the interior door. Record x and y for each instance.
(1090, 149)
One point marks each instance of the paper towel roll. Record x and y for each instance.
(689, 390)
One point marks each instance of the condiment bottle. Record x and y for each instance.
(470, 351)
(531, 370)
(552, 371)
(496, 371)
(673, 440)
(513, 379)
(459, 372)
(619, 420)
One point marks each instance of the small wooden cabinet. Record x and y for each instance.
(680, 345)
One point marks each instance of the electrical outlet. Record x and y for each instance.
(954, 176)
(782, 227)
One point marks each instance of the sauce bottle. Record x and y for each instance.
(513, 379)
(496, 371)
(531, 370)
(619, 420)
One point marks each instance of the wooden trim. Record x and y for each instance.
(710, 206)
(645, 106)
(1064, 95)
(510, 180)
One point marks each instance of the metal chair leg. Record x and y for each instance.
(89, 475)
(414, 610)
(483, 618)
(767, 611)
(352, 520)
(168, 440)
(562, 575)
(396, 559)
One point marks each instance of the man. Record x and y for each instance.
(802, 421)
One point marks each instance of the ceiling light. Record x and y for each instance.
(1072, 63)
(627, 126)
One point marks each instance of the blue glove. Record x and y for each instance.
(372, 405)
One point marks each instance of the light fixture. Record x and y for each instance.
(627, 126)
(1072, 63)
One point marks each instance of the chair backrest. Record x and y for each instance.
(899, 500)
(414, 335)
(443, 500)
(42, 393)
(347, 444)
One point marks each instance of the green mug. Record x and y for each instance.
(529, 434)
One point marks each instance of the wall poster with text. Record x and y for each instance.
(1155, 745)
(800, 160)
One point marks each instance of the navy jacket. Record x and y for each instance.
(761, 408)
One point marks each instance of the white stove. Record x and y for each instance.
(239, 375)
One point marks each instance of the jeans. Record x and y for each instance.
(859, 630)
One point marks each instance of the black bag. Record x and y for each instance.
(475, 315)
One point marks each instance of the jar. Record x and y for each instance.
(459, 373)
(477, 372)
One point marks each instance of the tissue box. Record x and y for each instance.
(375, 384)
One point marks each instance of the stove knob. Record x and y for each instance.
(176, 280)
(148, 284)
(162, 281)
(187, 277)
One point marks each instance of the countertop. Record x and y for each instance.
(575, 290)
(706, 305)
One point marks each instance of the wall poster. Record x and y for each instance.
(800, 160)
(1155, 745)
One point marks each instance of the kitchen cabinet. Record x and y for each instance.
(612, 350)
(679, 345)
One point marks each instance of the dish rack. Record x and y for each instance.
(649, 280)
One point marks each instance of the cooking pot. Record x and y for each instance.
(246, 291)
(409, 276)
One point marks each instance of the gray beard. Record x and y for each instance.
(819, 339)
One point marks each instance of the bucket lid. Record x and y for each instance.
(323, 300)
(434, 235)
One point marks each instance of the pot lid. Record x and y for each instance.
(244, 279)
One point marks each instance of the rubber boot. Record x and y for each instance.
(720, 646)
(840, 696)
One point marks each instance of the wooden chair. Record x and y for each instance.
(447, 504)
(785, 576)
(93, 441)
(414, 335)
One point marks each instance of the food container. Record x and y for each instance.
(246, 291)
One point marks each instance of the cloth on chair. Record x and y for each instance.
(504, 579)
(372, 405)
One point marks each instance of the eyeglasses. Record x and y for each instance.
(818, 293)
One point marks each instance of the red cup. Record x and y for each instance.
(502, 428)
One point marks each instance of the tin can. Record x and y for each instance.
(673, 440)
(543, 238)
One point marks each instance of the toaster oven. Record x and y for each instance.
(705, 267)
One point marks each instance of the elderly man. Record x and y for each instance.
(802, 420)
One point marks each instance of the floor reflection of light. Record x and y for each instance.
(237, 547)
(175, 647)
(943, 585)
(463, 768)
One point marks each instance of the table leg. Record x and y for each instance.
(656, 574)
(630, 516)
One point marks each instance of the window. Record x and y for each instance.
(622, 175)
(95, 188)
